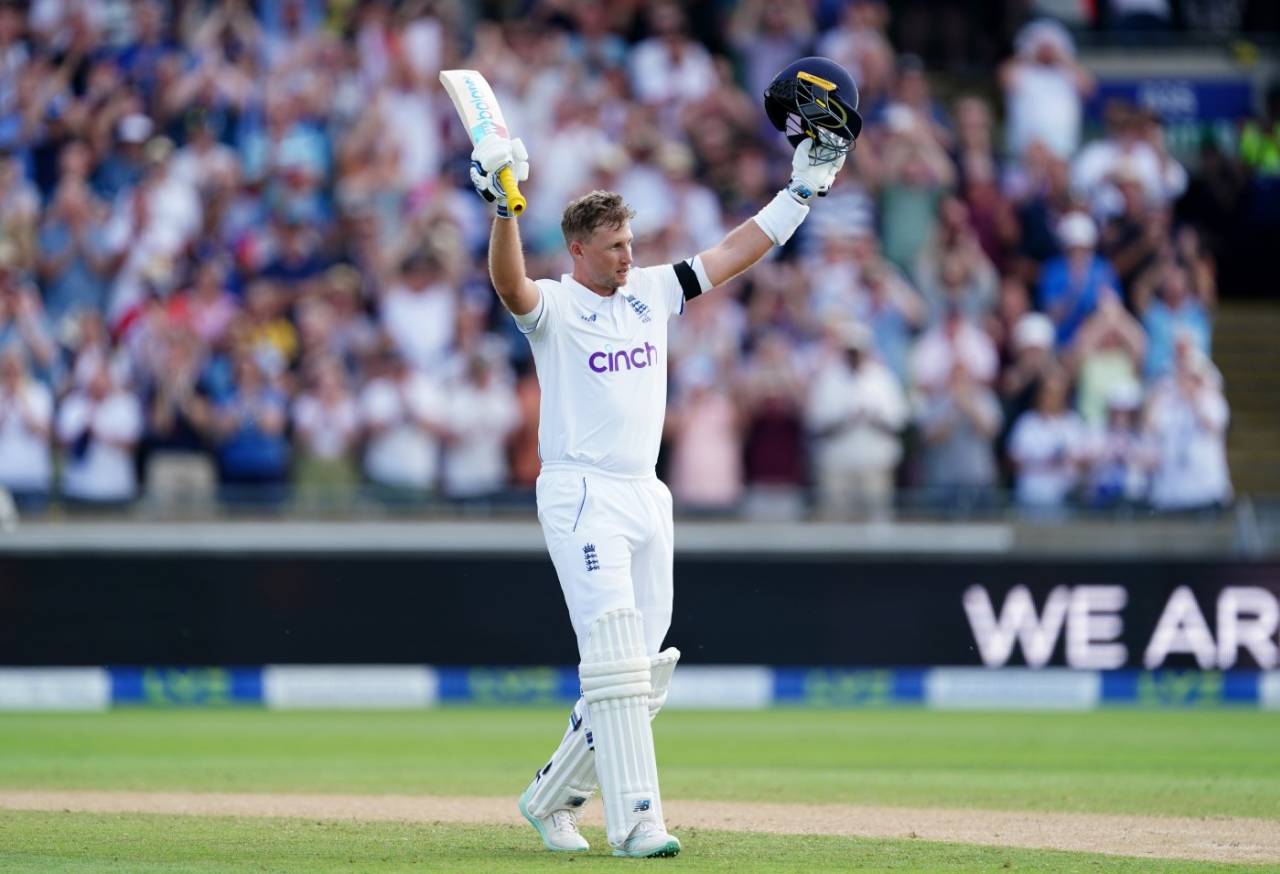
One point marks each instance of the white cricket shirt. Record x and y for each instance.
(602, 367)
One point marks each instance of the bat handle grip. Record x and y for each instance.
(515, 200)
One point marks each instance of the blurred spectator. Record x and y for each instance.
(916, 175)
(894, 312)
(991, 213)
(326, 427)
(1044, 88)
(911, 90)
(264, 327)
(482, 414)
(249, 433)
(26, 419)
(72, 263)
(1041, 191)
(1108, 351)
(173, 456)
(1032, 344)
(854, 414)
(767, 37)
(952, 270)
(404, 413)
(1071, 284)
(22, 320)
(98, 426)
(1260, 140)
(1133, 148)
(19, 210)
(957, 430)
(525, 460)
(1135, 235)
(1173, 310)
(669, 68)
(858, 43)
(207, 306)
(1046, 446)
(705, 428)
(773, 392)
(1187, 418)
(420, 311)
(1120, 456)
(953, 340)
(1013, 301)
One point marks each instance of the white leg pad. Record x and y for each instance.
(569, 777)
(615, 674)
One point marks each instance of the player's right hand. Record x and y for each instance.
(487, 160)
(809, 179)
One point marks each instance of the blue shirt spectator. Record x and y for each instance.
(1071, 283)
(1174, 311)
(250, 424)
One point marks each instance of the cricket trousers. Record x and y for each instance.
(611, 540)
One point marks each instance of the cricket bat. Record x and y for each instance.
(478, 108)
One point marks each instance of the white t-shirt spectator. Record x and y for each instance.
(936, 354)
(1190, 432)
(659, 78)
(1046, 450)
(325, 431)
(1044, 105)
(105, 471)
(25, 458)
(481, 420)
(866, 407)
(1093, 170)
(401, 452)
(421, 323)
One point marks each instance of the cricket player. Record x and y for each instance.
(599, 339)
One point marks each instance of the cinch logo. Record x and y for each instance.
(609, 362)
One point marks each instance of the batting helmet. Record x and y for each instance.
(815, 97)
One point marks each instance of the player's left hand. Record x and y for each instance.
(809, 179)
(487, 160)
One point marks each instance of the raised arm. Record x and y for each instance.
(506, 256)
(772, 226)
(506, 268)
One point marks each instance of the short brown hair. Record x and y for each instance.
(598, 209)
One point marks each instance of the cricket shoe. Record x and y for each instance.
(648, 840)
(558, 829)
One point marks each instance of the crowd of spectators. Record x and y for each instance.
(239, 255)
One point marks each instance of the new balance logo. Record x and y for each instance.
(641, 806)
(641, 308)
(587, 318)
(589, 554)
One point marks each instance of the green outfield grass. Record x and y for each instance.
(1193, 763)
(84, 843)
(1121, 761)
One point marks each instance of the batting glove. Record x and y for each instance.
(809, 179)
(488, 158)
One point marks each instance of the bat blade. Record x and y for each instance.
(481, 115)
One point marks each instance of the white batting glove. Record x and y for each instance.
(488, 158)
(809, 179)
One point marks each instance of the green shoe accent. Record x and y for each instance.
(666, 851)
(537, 825)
